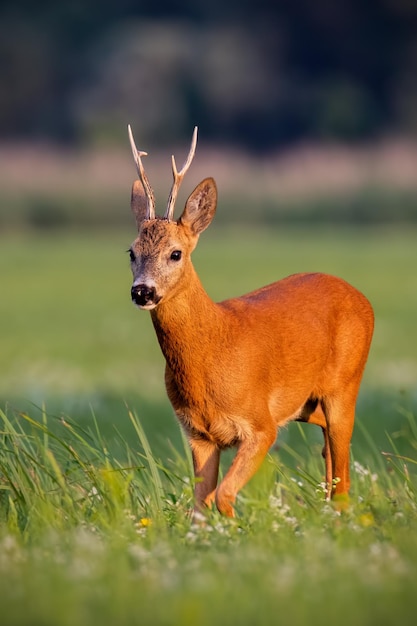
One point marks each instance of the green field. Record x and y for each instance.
(95, 479)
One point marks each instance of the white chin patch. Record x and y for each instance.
(146, 307)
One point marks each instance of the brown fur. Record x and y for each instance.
(238, 370)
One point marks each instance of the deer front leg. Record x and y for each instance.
(247, 461)
(206, 458)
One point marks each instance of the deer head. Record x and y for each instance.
(160, 255)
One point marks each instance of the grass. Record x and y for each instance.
(87, 538)
(95, 478)
(68, 324)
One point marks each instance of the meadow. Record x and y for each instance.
(95, 477)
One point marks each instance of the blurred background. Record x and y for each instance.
(307, 115)
(308, 99)
(258, 75)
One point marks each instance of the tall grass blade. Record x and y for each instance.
(156, 485)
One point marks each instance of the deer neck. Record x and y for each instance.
(187, 323)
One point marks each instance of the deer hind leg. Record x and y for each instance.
(340, 416)
(336, 417)
(313, 414)
(249, 457)
(328, 463)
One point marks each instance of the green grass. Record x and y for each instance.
(86, 538)
(67, 323)
(95, 478)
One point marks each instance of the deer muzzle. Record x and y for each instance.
(144, 296)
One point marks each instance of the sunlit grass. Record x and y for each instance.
(87, 537)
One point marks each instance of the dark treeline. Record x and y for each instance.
(247, 72)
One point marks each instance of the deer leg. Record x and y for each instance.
(328, 463)
(250, 454)
(318, 418)
(340, 414)
(206, 459)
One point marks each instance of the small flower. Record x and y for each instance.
(129, 514)
(364, 472)
(322, 488)
(366, 520)
(94, 493)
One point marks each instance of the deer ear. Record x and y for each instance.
(200, 207)
(138, 202)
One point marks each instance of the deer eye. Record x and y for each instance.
(176, 255)
(132, 255)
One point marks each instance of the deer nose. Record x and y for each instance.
(142, 294)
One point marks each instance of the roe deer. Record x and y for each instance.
(238, 370)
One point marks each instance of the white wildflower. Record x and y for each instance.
(363, 472)
(94, 494)
(274, 502)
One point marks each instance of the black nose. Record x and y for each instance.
(142, 294)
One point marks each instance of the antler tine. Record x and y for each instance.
(150, 213)
(179, 175)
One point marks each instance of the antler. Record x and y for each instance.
(150, 212)
(178, 176)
